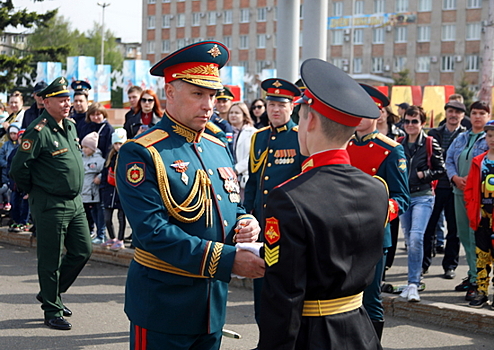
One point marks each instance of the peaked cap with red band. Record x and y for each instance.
(334, 94)
(280, 90)
(379, 98)
(197, 64)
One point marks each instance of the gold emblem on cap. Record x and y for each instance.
(277, 84)
(62, 81)
(277, 91)
(215, 52)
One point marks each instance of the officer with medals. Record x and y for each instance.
(48, 166)
(182, 182)
(376, 154)
(80, 103)
(324, 228)
(274, 154)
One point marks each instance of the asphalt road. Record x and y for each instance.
(99, 322)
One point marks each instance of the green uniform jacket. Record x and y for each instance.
(170, 300)
(49, 158)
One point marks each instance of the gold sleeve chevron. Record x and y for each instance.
(271, 256)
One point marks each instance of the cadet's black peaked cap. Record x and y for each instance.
(41, 85)
(80, 85)
(379, 98)
(196, 64)
(57, 88)
(334, 94)
(225, 93)
(280, 90)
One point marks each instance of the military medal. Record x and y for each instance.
(55, 143)
(231, 184)
(181, 167)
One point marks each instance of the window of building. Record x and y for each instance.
(244, 15)
(301, 16)
(181, 20)
(261, 41)
(425, 5)
(166, 21)
(423, 34)
(165, 46)
(378, 36)
(399, 64)
(150, 46)
(151, 22)
(474, 31)
(196, 19)
(379, 6)
(423, 64)
(244, 42)
(151, 1)
(474, 4)
(449, 4)
(244, 64)
(180, 43)
(357, 65)
(447, 63)
(227, 40)
(261, 14)
(3, 38)
(337, 37)
(401, 5)
(339, 62)
(358, 36)
(338, 8)
(377, 64)
(211, 18)
(275, 38)
(300, 39)
(401, 34)
(196, 40)
(472, 63)
(211, 38)
(228, 17)
(359, 8)
(167, 0)
(448, 32)
(260, 65)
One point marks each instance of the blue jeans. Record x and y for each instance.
(414, 222)
(19, 212)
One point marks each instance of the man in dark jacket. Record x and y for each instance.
(444, 135)
(37, 108)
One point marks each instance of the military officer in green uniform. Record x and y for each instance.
(48, 166)
(181, 196)
(274, 154)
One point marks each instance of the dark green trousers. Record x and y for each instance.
(60, 223)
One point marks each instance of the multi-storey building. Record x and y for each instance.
(10, 42)
(439, 42)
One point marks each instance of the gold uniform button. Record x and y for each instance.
(218, 196)
(386, 153)
(269, 164)
(210, 172)
(374, 170)
(266, 191)
(270, 151)
(273, 137)
(199, 149)
(266, 177)
(371, 145)
(225, 223)
(264, 205)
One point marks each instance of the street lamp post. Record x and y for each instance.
(103, 5)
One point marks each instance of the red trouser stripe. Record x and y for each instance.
(140, 338)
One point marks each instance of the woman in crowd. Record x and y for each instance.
(258, 113)
(97, 121)
(16, 115)
(148, 113)
(425, 164)
(386, 124)
(462, 150)
(243, 129)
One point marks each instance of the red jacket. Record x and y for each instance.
(472, 193)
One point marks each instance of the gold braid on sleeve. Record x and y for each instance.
(201, 192)
(256, 163)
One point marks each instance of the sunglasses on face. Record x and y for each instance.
(412, 121)
(147, 100)
(258, 107)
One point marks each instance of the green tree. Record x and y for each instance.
(465, 91)
(92, 47)
(18, 64)
(403, 78)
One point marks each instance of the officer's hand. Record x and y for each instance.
(247, 231)
(246, 264)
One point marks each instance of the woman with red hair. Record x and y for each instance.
(148, 113)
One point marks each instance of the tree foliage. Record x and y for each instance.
(465, 91)
(403, 78)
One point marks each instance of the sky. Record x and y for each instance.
(122, 17)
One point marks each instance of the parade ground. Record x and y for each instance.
(440, 321)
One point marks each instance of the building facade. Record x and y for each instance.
(438, 41)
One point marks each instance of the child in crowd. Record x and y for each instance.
(479, 202)
(5, 151)
(109, 194)
(93, 165)
(19, 213)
